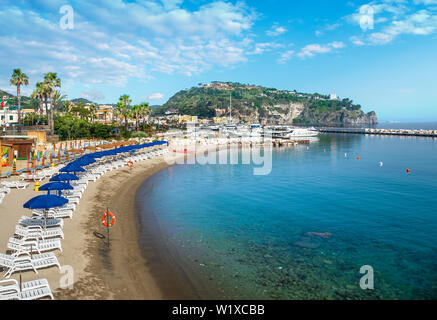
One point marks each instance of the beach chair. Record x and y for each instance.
(55, 214)
(68, 206)
(20, 254)
(30, 244)
(39, 232)
(36, 289)
(15, 184)
(74, 200)
(27, 263)
(27, 222)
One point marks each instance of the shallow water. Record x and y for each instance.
(246, 236)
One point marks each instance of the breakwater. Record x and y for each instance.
(392, 132)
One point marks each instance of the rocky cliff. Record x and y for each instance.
(255, 104)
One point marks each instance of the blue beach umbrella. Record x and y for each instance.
(45, 202)
(64, 177)
(72, 168)
(83, 161)
(58, 186)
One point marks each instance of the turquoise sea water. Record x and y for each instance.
(246, 236)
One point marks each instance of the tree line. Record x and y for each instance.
(46, 93)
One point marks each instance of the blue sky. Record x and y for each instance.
(381, 54)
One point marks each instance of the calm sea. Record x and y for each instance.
(245, 236)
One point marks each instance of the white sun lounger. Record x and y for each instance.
(55, 214)
(15, 184)
(33, 244)
(34, 177)
(39, 232)
(35, 257)
(26, 221)
(26, 263)
(30, 290)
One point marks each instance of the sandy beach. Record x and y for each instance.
(124, 270)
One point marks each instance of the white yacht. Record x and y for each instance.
(301, 132)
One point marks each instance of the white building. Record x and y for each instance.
(332, 96)
(10, 117)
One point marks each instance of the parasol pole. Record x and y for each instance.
(107, 224)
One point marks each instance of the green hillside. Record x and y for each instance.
(249, 101)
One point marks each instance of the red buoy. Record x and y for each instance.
(408, 170)
(358, 158)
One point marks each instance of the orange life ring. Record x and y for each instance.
(110, 224)
(130, 164)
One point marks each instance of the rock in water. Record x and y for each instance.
(306, 242)
(324, 235)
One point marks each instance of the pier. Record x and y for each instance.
(390, 132)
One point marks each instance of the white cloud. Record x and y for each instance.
(337, 45)
(262, 47)
(356, 41)
(313, 49)
(286, 56)
(155, 96)
(93, 95)
(276, 31)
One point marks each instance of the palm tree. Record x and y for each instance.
(40, 91)
(35, 95)
(137, 112)
(123, 106)
(115, 114)
(51, 80)
(68, 106)
(144, 107)
(17, 79)
(93, 109)
(57, 98)
(44, 93)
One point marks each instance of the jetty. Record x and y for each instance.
(390, 132)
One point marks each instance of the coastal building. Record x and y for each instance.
(220, 120)
(333, 96)
(186, 119)
(104, 114)
(9, 116)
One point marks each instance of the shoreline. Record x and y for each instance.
(135, 266)
(121, 271)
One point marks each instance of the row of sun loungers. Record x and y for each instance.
(36, 237)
